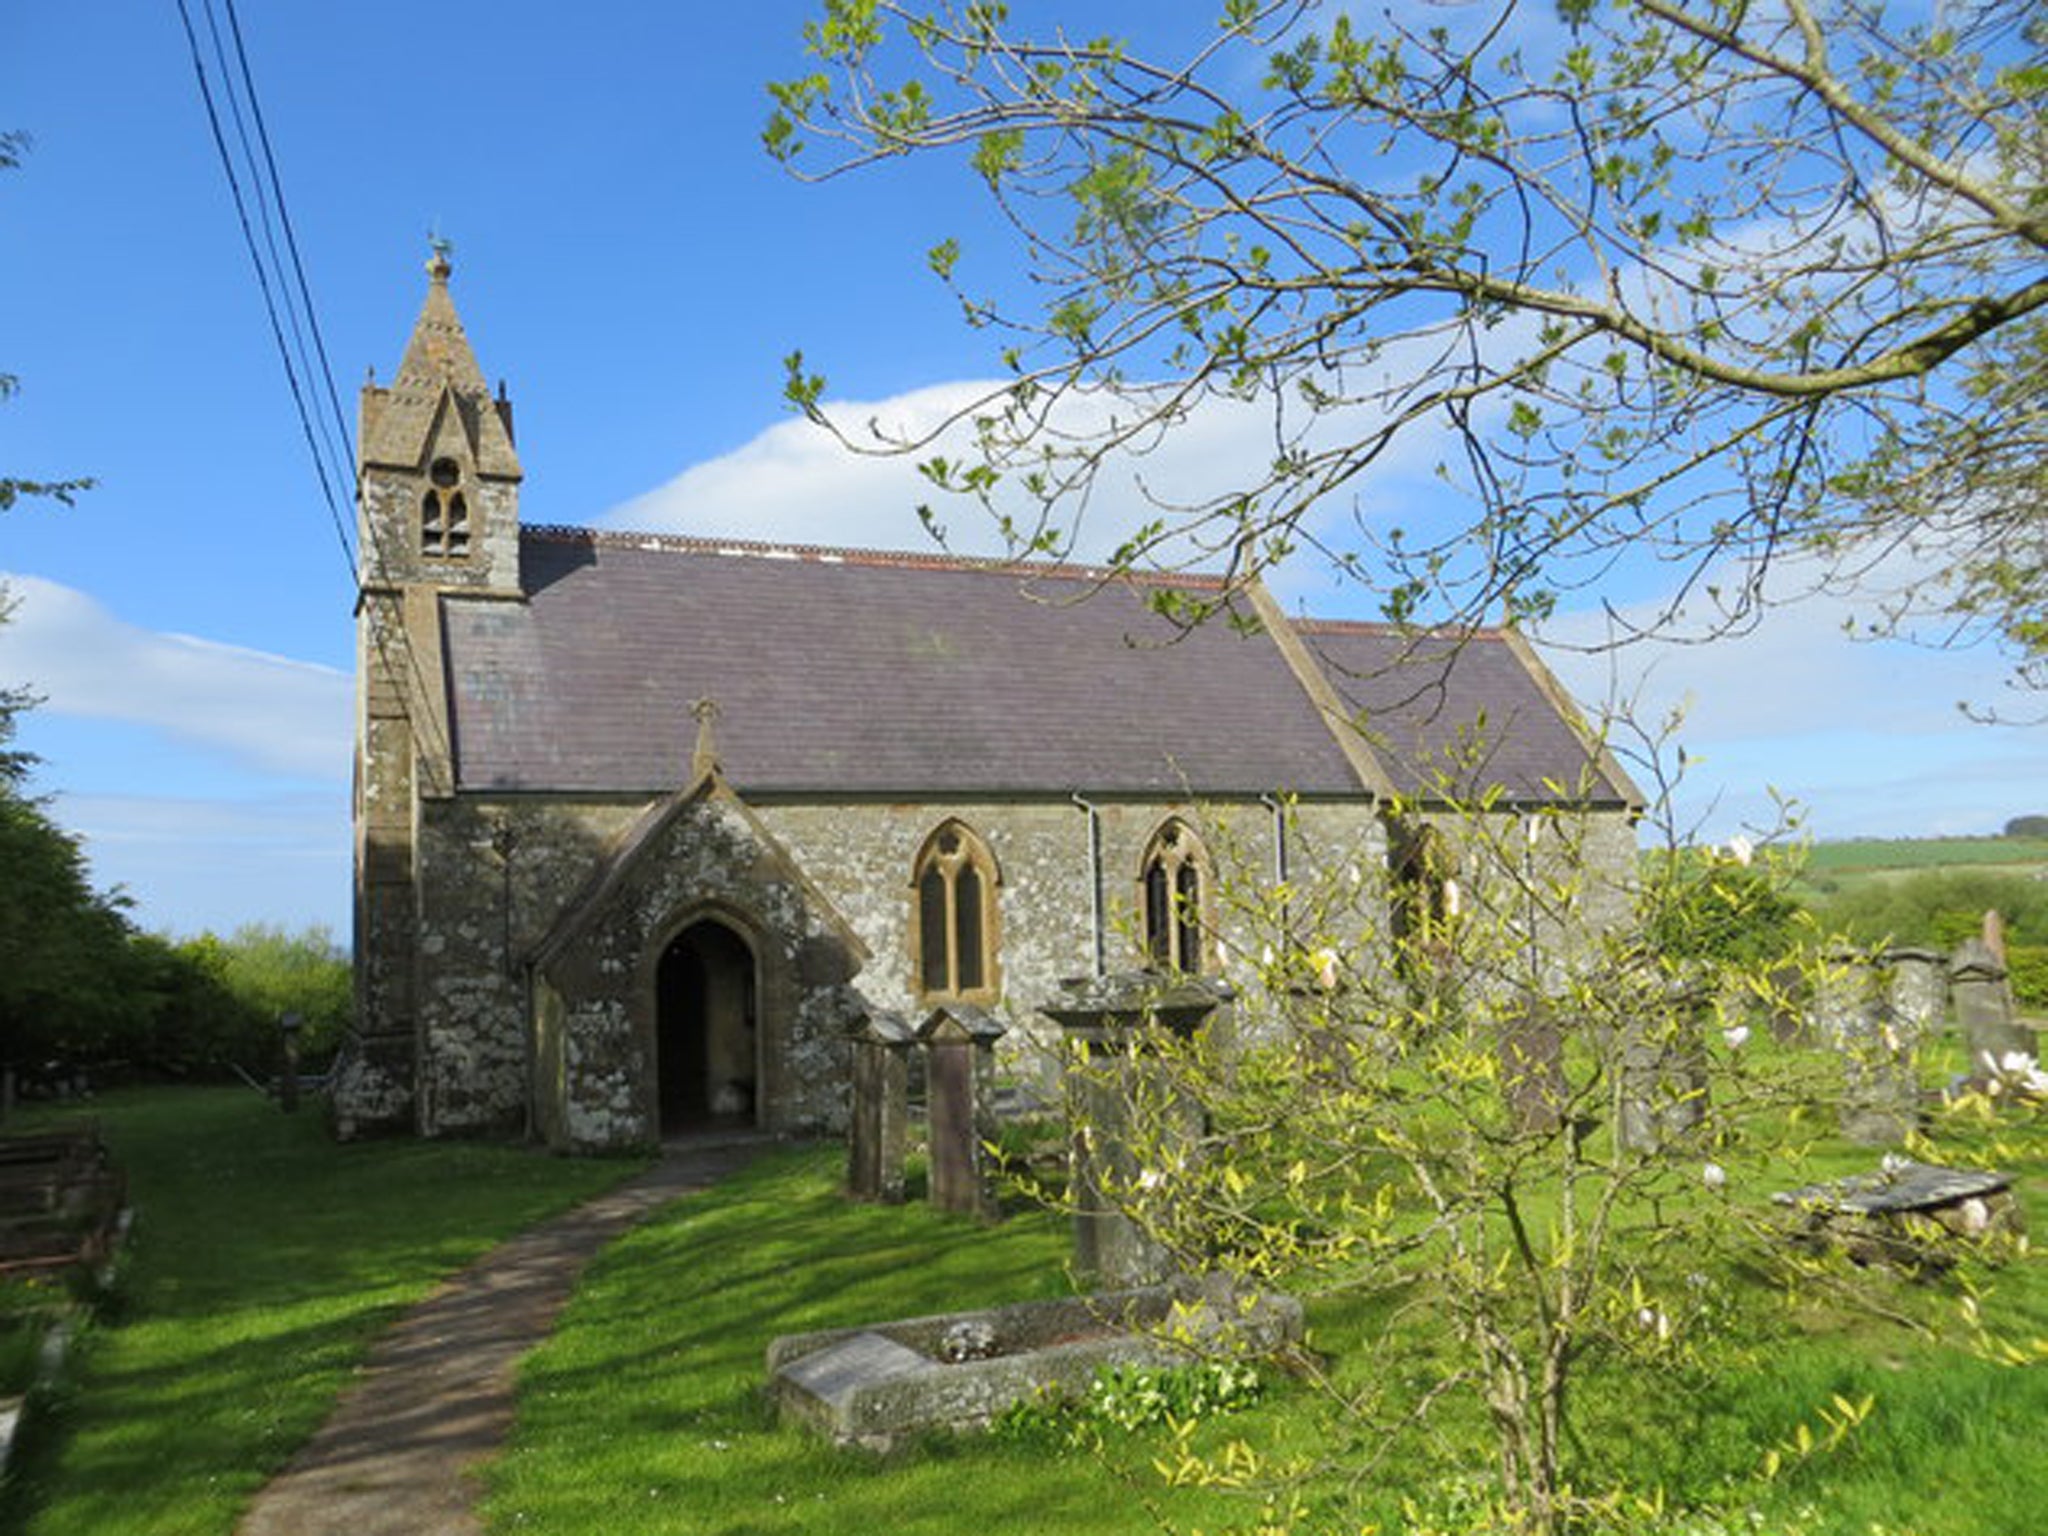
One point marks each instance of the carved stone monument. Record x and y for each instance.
(1663, 1078)
(959, 1041)
(880, 1128)
(1984, 1008)
(1877, 1011)
(1117, 1097)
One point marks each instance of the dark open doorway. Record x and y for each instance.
(706, 1029)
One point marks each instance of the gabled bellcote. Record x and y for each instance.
(438, 474)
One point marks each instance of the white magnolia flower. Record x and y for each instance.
(1741, 850)
(1976, 1216)
(1737, 1036)
(1325, 963)
(1454, 899)
(1715, 1177)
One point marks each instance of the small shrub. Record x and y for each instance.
(2027, 964)
(1138, 1398)
(1135, 1397)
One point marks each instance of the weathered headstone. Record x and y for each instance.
(880, 1129)
(1856, 1012)
(1917, 991)
(1663, 1079)
(1118, 1097)
(1532, 1070)
(1788, 1019)
(1984, 1008)
(959, 1041)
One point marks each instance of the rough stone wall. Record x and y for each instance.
(496, 873)
(861, 855)
(1574, 878)
(374, 1092)
(708, 861)
(493, 877)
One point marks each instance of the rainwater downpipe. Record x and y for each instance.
(1096, 938)
(1279, 809)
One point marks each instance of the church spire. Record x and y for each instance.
(439, 475)
(438, 354)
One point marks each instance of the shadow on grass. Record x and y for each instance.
(264, 1261)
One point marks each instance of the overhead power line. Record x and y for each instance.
(287, 300)
(233, 110)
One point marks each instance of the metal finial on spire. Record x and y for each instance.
(443, 248)
(705, 758)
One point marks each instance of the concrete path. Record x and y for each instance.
(398, 1456)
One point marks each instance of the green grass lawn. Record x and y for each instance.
(263, 1261)
(645, 1413)
(267, 1257)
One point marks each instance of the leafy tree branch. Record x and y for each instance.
(1705, 283)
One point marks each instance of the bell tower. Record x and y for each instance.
(438, 477)
(437, 492)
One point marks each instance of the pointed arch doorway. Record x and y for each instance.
(707, 1029)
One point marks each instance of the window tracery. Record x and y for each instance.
(954, 885)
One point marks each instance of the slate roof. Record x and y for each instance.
(844, 672)
(1467, 713)
(835, 671)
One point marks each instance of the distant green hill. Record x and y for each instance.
(1875, 855)
(1833, 872)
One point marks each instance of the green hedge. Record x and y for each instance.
(2028, 964)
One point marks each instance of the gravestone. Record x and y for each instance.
(1917, 991)
(959, 1041)
(1118, 1096)
(1532, 1070)
(1874, 1012)
(1992, 930)
(1663, 1078)
(880, 1130)
(1984, 1009)
(1908, 1215)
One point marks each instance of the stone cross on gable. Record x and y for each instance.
(704, 759)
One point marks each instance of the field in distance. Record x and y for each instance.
(1833, 865)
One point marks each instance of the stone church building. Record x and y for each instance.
(642, 823)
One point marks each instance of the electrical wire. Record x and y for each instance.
(288, 304)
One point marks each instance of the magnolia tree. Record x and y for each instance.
(1520, 1107)
(1691, 280)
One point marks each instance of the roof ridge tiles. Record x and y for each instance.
(1309, 625)
(826, 554)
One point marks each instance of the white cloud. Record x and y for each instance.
(265, 712)
(1865, 735)
(796, 482)
(1797, 670)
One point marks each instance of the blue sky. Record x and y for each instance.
(635, 268)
